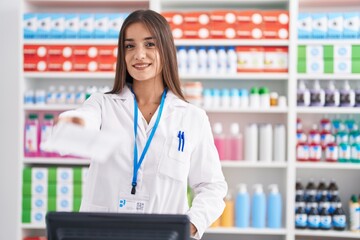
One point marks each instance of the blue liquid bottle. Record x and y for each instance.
(242, 207)
(258, 207)
(274, 213)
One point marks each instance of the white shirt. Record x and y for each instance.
(165, 172)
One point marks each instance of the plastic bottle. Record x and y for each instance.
(347, 96)
(279, 143)
(225, 98)
(61, 95)
(303, 95)
(251, 143)
(80, 95)
(222, 60)
(337, 125)
(212, 61)
(350, 125)
(335, 200)
(299, 188)
(274, 99)
(40, 97)
(46, 128)
(264, 96)
(254, 98)
(302, 152)
(244, 98)
(182, 57)
(300, 218)
(333, 189)
(310, 190)
(207, 98)
(274, 213)
(70, 96)
(231, 60)
(215, 98)
(242, 207)
(220, 141)
(31, 139)
(325, 217)
(265, 143)
(29, 97)
(331, 152)
(234, 98)
(321, 190)
(325, 132)
(354, 214)
(332, 95)
(235, 143)
(314, 135)
(315, 152)
(317, 95)
(258, 207)
(192, 60)
(344, 152)
(202, 60)
(313, 216)
(300, 202)
(355, 152)
(339, 218)
(357, 96)
(51, 95)
(227, 218)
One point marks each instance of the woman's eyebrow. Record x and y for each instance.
(131, 39)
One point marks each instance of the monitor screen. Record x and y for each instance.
(116, 226)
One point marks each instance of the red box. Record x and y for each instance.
(248, 31)
(223, 16)
(35, 58)
(107, 58)
(177, 31)
(175, 18)
(276, 59)
(276, 31)
(280, 17)
(253, 17)
(85, 58)
(60, 58)
(223, 30)
(196, 31)
(201, 18)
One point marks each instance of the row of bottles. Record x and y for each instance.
(258, 144)
(330, 97)
(61, 95)
(335, 141)
(257, 211)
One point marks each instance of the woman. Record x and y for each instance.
(167, 143)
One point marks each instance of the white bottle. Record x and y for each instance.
(207, 98)
(51, 95)
(70, 96)
(61, 95)
(251, 143)
(212, 61)
(225, 98)
(192, 61)
(265, 143)
(264, 96)
(222, 60)
(234, 98)
(347, 96)
(244, 98)
(234, 143)
(220, 140)
(216, 98)
(80, 95)
(317, 95)
(40, 97)
(332, 95)
(279, 143)
(254, 98)
(231, 60)
(29, 97)
(202, 59)
(182, 60)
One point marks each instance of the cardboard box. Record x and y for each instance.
(201, 18)
(114, 24)
(195, 31)
(351, 27)
(43, 25)
(335, 25)
(107, 58)
(276, 59)
(342, 65)
(319, 25)
(250, 59)
(223, 16)
(249, 25)
(223, 30)
(57, 26)
(174, 18)
(343, 51)
(304, 25)
(72, 25)
(314, 52)
(101, 25)
(86, 26)
(275, 31)
(60, 58)
(314, 65)
(29, 25)
(177, 31)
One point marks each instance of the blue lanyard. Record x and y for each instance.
(137, 163)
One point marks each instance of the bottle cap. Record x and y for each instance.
(346, 85)
(218, 128)
(263, 90)
(49, 116)
(234, 128)
(273, 188)
(302, 85)
(254, 90)
(331, 85)
(33, 116)
(258, 188)
(242, 188)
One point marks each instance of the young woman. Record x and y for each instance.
(167, 143)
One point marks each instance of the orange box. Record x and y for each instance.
(60, 58)
(276, 17)
(175, 18)
(250, 59)
(276, 31)
(202, 18)
(196, 31)
(85, 53)
(35, 58)
(223, 30)
(276, 59)
(253, 17)
(177, 31)
(86, 66)
(223, 16)
(248, 31)
(107, 65)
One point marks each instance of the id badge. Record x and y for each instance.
(129, 203)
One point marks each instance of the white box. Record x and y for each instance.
(86, 26)
(319, 25)
(342, 51)
(64, 204)
(315, 66)
(351, 25)
(39, 203)
(304, 25)
(64, 190)
(314, 52)
(57, 26)
(342, 65)
(72, 25)
(101, 25)
(39, 175)
(29, 25)
(114, 25)
(335, 25)
(43, 25)
(38, 216)
(39, 189)
(64, 175)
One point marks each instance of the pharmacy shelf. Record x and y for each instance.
(327, 3)
(324, 165)
(50, 107)
(225, 3)
(247, 110)
(248, 164)
(90, 3)
(33, 226)
(238, 76)
(230, 42)
(330, 234)
(70, 75)
(328, 76)
(328, 110)
(70, 41)
(247, 231)
(56, 161)
(328, 41)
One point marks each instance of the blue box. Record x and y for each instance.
(43, 25)
(101, 25)
(29, 25)
(72, 23)
(304, 25)
(335, 25)
(57, 26)
(319, 25)
(115, 23)
(351, 25)
(86, 29)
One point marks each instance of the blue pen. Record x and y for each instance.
(183, 139)
(179, 136)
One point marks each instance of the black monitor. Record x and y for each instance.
(116, 226)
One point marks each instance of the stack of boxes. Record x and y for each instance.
(51, 189)
(338, 59)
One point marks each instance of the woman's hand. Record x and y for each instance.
(193, 229)
(74, 120)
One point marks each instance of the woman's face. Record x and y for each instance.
(141, 54)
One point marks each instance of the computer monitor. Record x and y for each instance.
(116, 226)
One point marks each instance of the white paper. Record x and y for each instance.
(69, 138)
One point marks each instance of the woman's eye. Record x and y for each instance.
(128, 46)
(150, 44)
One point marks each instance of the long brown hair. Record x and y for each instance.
(160, 30)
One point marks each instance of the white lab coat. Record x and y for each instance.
(165, 173)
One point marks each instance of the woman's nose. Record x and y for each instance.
(140, 53)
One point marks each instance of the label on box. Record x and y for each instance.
(64, 204)
(114, 24)
(72, 25)
(342, 51)
(342, 66)
(39, 189)
(195, 31)
(314, 52)
(175, 18)
(276, 60)
(228, 17)
(250, 59)
(101, 27)
(29, 25)
(223, 30)
(304, 25)
(319, 25)
(201, 18)
(64, 190)
(43, 25)
(315, 66)
(39, 203)
(351, 25)
(64, 175)
(86, 29)
(57, 26)
(39, 175)
(335, 25)
(38, 216)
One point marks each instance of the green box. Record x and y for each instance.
(329, 66)
(26, 216)
(328, 52)
(27, 175)
(301, 66)
(77, 190)
(26, 189)
(52, 175)
(52, 190)
(26, 204)
(355, 52)
(76, 205)
(355, 66)
(51, 204)
(302, 52)
(77, 175)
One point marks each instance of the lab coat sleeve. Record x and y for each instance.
(90, 112)
(207, 181)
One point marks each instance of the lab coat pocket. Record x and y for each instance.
(87, 207)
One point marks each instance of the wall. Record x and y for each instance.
(9, 118)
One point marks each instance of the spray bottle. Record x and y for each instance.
(258, 207)
(242, 207)
(274, 213)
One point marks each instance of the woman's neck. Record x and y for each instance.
(148, 92)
